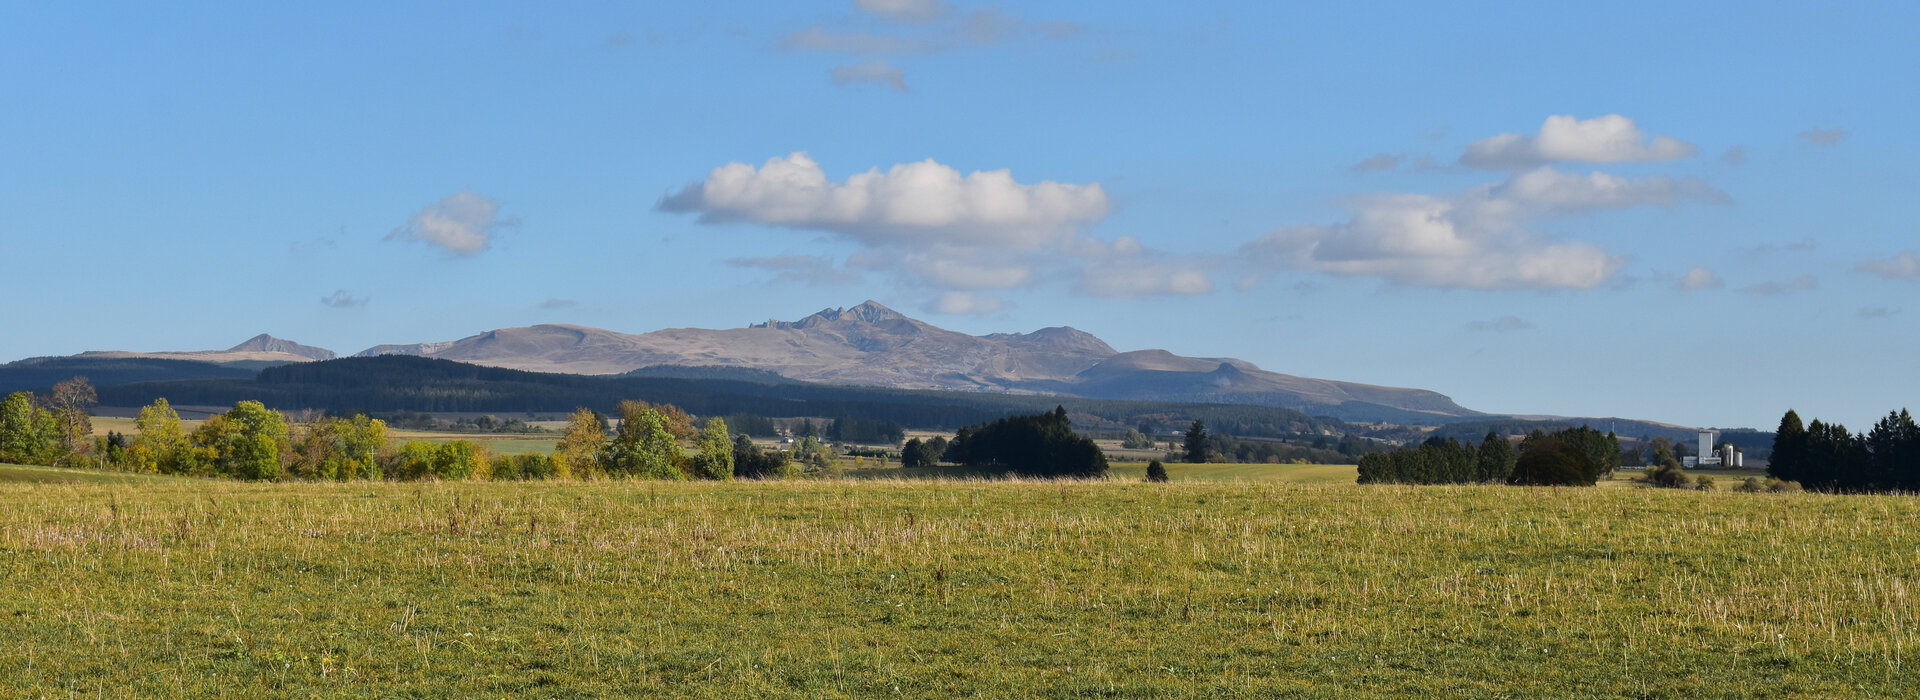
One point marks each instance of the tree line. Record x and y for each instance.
(1828, 457)
(1569, 457)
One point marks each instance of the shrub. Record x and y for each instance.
(1753, 484)
(1156, 472)
(1669, 476)
(1704, 482)
(1552, 462)
(1778, 486)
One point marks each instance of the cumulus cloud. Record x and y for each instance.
(1699, 278)
(932, 227)
(965, 304)
(1478, 239)
(1798, 284)
(1903, 266)
(1379, 162)
(1824, 137)
(876, 72)
(1565, 138)
(917, 11)
(462, 224)
(1504, 324)
(341, 299)
(912, 203)
(807, 269)
(556, 304)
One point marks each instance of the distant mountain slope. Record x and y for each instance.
(259, 351)
(869, 344)
(873, 345)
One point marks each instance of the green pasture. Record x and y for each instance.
(885, 588)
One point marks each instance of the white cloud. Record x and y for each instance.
(462, 224)
(965, 304)
(1504, 324)
(1824, 137)
(1565, 138)
(876, 71)
(1478, 239)
(1133, 279)
(1903, 266)
(916, 11)
(921, 203)
(1699, 278)
(1798, 284)
(341, 299)
(928, 225)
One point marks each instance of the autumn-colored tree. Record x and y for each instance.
(246, 442)
(580, 447)
(161, 445)
(642, 446)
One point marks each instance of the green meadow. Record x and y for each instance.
(1241, 587)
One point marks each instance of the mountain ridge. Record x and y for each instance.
(872, 345)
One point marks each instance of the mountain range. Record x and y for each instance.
(872, 345)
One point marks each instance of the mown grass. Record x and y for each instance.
(936, 589)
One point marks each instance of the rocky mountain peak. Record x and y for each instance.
(268, 343)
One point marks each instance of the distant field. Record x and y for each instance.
(192, 588)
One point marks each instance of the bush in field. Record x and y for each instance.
(1667, 476)
(1551, 462)
(1041, 445)
(1156, 472)
(1753, 484)
(1703, 482)
(523, 467)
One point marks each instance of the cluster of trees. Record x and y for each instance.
(52, 429)
(919, 453)
(1570, 457)
(1042, 445)
(647, 444)
(1828, 457)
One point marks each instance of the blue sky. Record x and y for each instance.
(1689, 212)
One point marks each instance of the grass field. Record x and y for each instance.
(189, 588)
